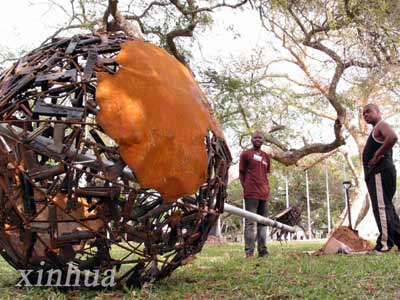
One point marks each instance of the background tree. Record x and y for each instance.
(322, 66)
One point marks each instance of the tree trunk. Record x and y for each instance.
(215, 234)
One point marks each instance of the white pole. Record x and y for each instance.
(256, 218)
(287, 198)
(308, 207)
(328, 208)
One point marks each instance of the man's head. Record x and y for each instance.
(371, 114)
(257, 139)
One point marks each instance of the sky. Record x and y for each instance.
(26, 23)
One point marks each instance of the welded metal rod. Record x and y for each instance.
(43, 145)
(257, 218)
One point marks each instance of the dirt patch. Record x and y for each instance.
(348, 237)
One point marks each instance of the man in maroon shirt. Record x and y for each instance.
(253, 168)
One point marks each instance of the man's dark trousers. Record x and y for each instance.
(259, 207)
(381, 188)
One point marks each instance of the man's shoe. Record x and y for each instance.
(385, 251)
(379, 251)
(249, 255)
(263, 254)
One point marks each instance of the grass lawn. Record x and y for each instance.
(222, 272)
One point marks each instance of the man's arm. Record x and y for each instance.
(242, 168)
(389, 139)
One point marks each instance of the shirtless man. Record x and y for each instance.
(380, 176)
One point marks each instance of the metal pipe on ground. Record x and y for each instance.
(257, 218)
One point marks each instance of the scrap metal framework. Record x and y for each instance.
(66, 194)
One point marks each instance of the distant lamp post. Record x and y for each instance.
(347, 186)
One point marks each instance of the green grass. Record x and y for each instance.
(222, 272)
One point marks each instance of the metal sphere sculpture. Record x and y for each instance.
(109, 158)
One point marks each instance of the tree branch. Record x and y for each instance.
(351, 166)
(320, 159)
(120, 22)
(292, 156)
(188, 32)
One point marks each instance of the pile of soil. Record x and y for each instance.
(348, 237)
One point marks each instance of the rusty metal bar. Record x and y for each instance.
(44, 145)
